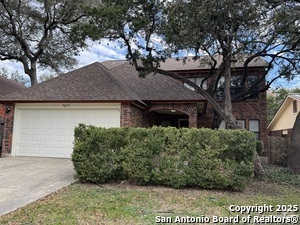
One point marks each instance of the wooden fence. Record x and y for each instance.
(278, 149)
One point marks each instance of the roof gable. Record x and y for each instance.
(90, 83)
(154, 87)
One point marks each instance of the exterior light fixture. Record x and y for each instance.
(173, 110)
(8, 109)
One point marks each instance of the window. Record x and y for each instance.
(252, 79)
(295, 108)
(254, 127)
(236, 87)
(223, 124)
(197, 81)
(242, 123)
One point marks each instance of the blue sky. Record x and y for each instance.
(103, 52)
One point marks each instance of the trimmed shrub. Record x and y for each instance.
(259, 147)
(96, 156)
(172, 157)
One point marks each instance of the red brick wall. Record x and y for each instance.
(2, 110)
(132, 116)
(189, 109)
(8, 131)
(247, 110)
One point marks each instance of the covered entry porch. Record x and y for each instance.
(177, 114)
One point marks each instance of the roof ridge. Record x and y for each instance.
(115, 60)
(123, 86)
(12, 82)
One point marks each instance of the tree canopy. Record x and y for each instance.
(37, 33)
(157, 29)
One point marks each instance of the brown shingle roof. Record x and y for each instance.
(174, 64)
(154, 87)
(8, 86)
(98, 84)
(177, 64)
(90, 83)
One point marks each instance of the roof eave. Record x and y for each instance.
(64, 101)
(179, 101)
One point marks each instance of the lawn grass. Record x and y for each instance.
(129, 204)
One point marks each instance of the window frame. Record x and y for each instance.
(243, 123)
(295, 106)
(256, 132)
(234, 89)
(194, 79)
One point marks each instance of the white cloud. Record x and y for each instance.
(99, 53)
(94, 53)
(11, 66)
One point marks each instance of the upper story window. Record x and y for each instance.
(242, 124)
(295, 106)
(236, 87)
(254, 127)
(197, 81)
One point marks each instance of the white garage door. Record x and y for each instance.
(50, 132)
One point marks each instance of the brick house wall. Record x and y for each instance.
(2, 113)
(251, 109)
(2, 110)
(8, 131)
(132, 116)
(189, 109)
(247, 110)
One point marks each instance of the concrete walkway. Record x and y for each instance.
(24, 180)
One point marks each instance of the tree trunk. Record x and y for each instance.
(30, 68)
(33, 74)
(216, 121)
(229, 117)
(294, 151)
(258, 168)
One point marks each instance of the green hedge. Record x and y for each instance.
(259, 147)
(172, 157)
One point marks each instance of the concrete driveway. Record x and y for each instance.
(24, 180)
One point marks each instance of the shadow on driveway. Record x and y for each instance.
(24, 180)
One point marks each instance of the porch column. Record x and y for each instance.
(193, 118)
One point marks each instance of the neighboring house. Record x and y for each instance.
(110, 94)
(6, 87)
(280, 129)
(283, 121)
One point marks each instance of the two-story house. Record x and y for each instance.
(251, 113)
(111, 94)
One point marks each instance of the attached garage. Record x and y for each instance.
(40, 120)
(47, 130)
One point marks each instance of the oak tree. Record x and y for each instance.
(237, 30)
(37, 33)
